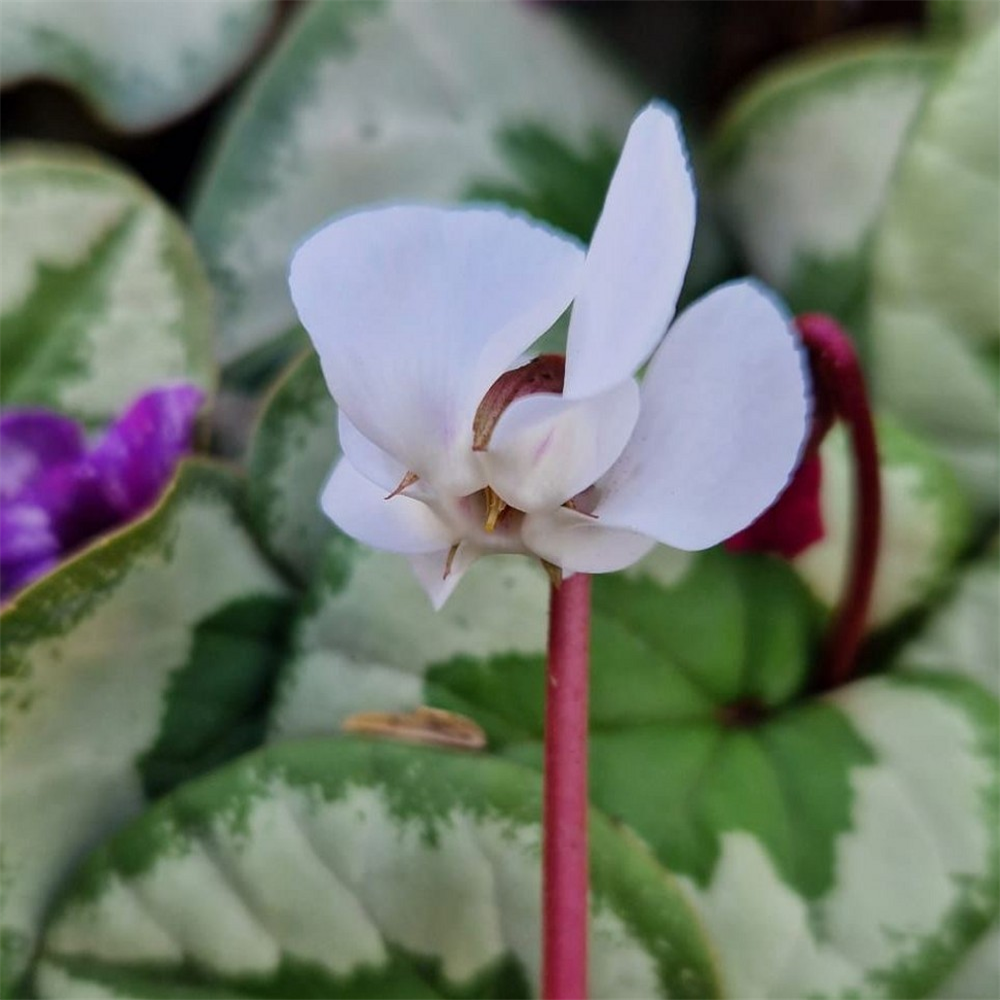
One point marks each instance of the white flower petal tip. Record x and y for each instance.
(415, 310)
(359, 507)
(578, 543)
(439, 572)
(546, 449)
(637, 260)
(726, 406)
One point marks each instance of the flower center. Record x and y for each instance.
(545, 373)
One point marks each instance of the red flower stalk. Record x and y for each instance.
(794, 521)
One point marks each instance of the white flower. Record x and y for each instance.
(417, 311)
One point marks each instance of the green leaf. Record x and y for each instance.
(978, 977)
(961, 18)
(962, 634)
(367, 102)
(138, 66)
(103, 295)
(925, 523)
(705, 742)
(355, 869)
(292, 452)
(803, 162)
(217, 702)
(101, 661)
(935, 301)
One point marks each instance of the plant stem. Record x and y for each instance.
(565, 862)
(835, 365)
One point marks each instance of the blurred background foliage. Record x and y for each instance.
(181, 816)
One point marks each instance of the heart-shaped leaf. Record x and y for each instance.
(103, 294)
(396, 100)
(935, 300)
(130, 668)
(137, 65)
(803, 161)
(789, 817)
(348, 868)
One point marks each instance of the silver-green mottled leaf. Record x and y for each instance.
(102, 295)
(348, 868)
(925, 522)
(803, 161)
(935, 302)
(767, 802)
(293, 449)
(978, 977)
(138, 65)
(96, 665)
(364, 102)
(963, 634)
(915, 871)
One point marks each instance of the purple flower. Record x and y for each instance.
(57, 494)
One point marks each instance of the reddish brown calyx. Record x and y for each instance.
(545, 373)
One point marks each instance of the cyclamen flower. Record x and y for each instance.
(457, 444)
(57, 494)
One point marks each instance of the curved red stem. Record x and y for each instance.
(840, 382)
(564, 861)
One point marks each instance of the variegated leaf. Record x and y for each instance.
(797, 822)
(138, 65)
(367, 102)
(803, 161)
(935, 302)
(925, 523)
(142, 661)
(349, 868)
(103, 294)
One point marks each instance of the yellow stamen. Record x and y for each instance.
(494, 508)
(405, 483)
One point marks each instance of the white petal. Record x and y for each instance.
(415, 311)
(430, 571)
(368, 458)
(725, 411)
(581, 544)
(546, 449)
(637, 259)
(358, 507)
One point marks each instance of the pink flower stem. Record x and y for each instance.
(565, 863)
(835, 363)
